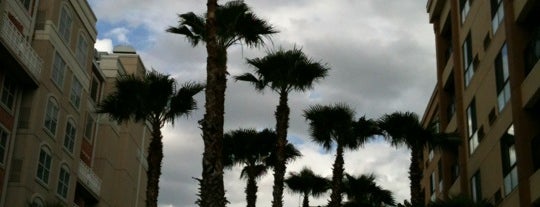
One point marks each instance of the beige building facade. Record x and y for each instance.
(487, 91)
(54, 148)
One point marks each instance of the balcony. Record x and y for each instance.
(19, 46)
(89, 179)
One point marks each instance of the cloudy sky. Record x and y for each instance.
(382, 59)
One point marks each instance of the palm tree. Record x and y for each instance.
(225, 25)
(459, 201)
(283, 72)
(334, 124)
(152, 98)
(255, 150)
(362, 191)
(404, 128)
(307, 183)
(249, 148)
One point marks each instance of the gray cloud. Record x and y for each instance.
(382, 59)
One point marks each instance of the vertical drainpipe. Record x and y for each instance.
(141, 159)
(18, 102)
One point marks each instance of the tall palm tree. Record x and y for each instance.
(223, 26)
(307, 183)
(362, 191)
(335, 124)
(154, 98)
(404, 128)
(249, 148)
(283, 72)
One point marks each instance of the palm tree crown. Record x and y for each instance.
(235, 22)
(307, 183)
(335, 124)
(155, 98)
(362, 191)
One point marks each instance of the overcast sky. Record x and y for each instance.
(382, 59)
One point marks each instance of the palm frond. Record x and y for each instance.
(183, 101)
(191, 26)
(250, 78)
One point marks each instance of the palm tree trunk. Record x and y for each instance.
(282, 123)
(337, 178)
(251, 191)
(305, 203)
(155, 156)
(212, 189)
(415, 175)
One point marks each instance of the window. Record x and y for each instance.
(51, 116)
(69, 139)
(64, 26)
(76, 90)
(9, 90)
(497, 14)
(502, 78)
(63, 182)
(44, 165)
(451, 97)
(508, 153)
(59, 67)
(465, 6)
(4, 138)
(476, 187)
(468, 63)
(472, 127)
(82, 51)
(37, 202)
(89, 130)
(94, 90)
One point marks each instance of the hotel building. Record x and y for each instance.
(487, 91)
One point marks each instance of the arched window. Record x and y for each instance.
(82, 50)
(69, 138)
(44, 164)
(51, 115)
(63, 182)
(37, 201)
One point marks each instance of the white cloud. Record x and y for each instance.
(104, 45)
(120, 34)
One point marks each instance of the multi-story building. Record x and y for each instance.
(54, 148)
(487, 92)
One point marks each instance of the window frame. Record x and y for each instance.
(52, 111)
(464, 8)
(45, 167)
(4, 144)
(58, 71)
(62, 189)
(70, 136)
(476, 187)
(502, 78)
(497, 14)
(468, 60)
(75, 96)
(472, 127)
(65, 24)
(509, 161)
(81, 51)
(9, 94)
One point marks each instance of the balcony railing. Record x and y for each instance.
(20, 46)
(89, 178)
